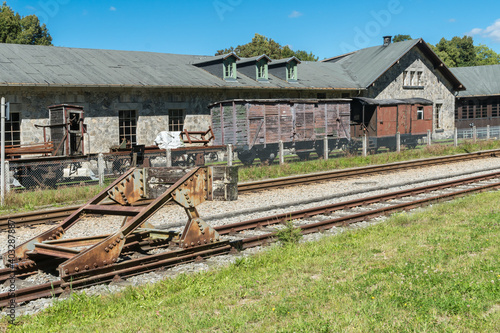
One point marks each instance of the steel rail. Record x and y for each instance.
(142, 265)
(335, 174)
(39, 217)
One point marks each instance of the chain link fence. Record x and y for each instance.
(53, 172)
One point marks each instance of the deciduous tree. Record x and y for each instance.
(22, 30)
(263, 45)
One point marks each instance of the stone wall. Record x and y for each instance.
(102, 105)
(435, 88)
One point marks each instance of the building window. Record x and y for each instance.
(128, 126)
(471, 109)
(437, 115)
(484, 109)
(291, 71)
(413, 79)
(494, 107)
(229, 69)
(13, 129)
(420, 113)
(262, 70)
(176, 120)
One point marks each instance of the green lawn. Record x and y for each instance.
(434, 270)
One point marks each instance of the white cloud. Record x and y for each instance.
(295, 14)
(492, 32)
(113, 9)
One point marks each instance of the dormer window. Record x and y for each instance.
(262, 70)
(229, 68)
(291, 71)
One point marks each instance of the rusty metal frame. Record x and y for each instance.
(190, 190)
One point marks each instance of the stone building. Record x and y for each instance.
(408, 69)
(135, 95)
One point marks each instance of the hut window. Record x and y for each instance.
(128, 126)
(262, 70)
(13, 129)
(494, 108)
(420, 113)
(291, 71)
(437, 116)
(176, 120)
(229, 69)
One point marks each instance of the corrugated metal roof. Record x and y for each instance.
(479, 80)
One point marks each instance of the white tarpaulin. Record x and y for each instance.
(169, 140)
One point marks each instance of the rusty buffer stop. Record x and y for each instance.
(76, 258)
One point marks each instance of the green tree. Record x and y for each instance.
(263, 45)
(461, 52)
(22, 30)
(401, 38)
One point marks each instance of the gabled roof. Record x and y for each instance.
(205, 60)
(285, 61)
(479, 80)
(365, 66)
(254, 59)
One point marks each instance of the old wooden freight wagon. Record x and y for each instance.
(255, 127)
(381, 119)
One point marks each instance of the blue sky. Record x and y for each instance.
(326, 28)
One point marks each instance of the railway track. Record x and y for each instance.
(54, 215)
(239, 235)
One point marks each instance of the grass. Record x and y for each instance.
(434, 270)
(32, 200)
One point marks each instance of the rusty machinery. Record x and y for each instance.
(187, 187)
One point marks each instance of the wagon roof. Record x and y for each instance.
(283, 100)
(372, 101)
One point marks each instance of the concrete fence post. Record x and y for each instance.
(398, 142)
(474, 134)
(365, 145)
(487, 132)
(168, 155)
(325, 148)
(455, 137)
(281, 152)
(7, 177)
(429, 139)
(229, 155)
(100, 169)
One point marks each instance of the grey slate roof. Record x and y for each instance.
(365, 66)
(479, 80)
(33, 65)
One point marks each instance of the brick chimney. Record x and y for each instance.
(387, 40)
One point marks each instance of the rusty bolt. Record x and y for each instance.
(95, 265)
(105, 262)
(50, 238)
(199, 243)
(117, 240)
(66, 271)
(106, 249)
(86, 267)
(114, 259)
(205, 240)
(192, 243)
(121, 236)
(111, 246)
(77, 269)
